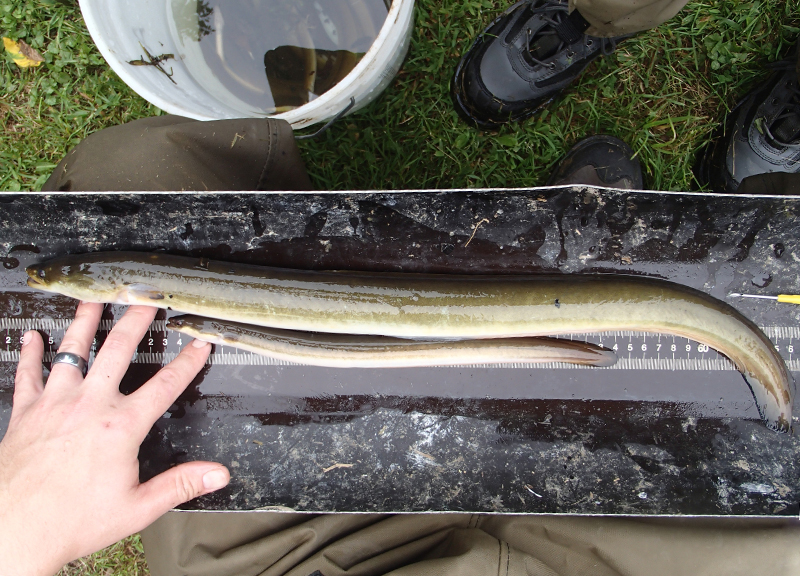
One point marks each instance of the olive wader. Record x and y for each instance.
(171, 153)
(609, 18)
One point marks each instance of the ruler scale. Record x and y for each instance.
(635, 350)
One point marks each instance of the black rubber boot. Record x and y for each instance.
(522, 60)
(602, 161)
(760, 136)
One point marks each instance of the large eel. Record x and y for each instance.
(361, 351)
(428, 306)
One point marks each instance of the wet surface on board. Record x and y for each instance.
(666, 432)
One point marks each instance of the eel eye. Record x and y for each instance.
(41, 273)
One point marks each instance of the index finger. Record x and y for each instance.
(114, 357)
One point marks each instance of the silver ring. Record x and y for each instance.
(71, 359)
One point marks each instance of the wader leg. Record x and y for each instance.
(617, 17)
(291, 544)
(172, 153)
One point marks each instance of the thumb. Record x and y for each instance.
(178, 485)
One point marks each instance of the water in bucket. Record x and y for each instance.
(271, 56)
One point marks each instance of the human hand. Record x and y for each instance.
(69, 474)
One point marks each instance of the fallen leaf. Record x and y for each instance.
(23, 54)
(30, 53)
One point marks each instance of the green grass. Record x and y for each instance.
(125, 558)
(48, 109)
(663, 92)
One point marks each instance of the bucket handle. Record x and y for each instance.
(329, 123)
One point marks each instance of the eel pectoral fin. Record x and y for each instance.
(143, 292)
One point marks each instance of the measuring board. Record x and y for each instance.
(671, 428)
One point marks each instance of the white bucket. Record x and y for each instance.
(119, 26)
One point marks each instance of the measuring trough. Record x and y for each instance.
(670, 429)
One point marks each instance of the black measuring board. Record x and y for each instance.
(671, 429)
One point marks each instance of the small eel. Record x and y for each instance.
(361, 351)
(428, 306)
